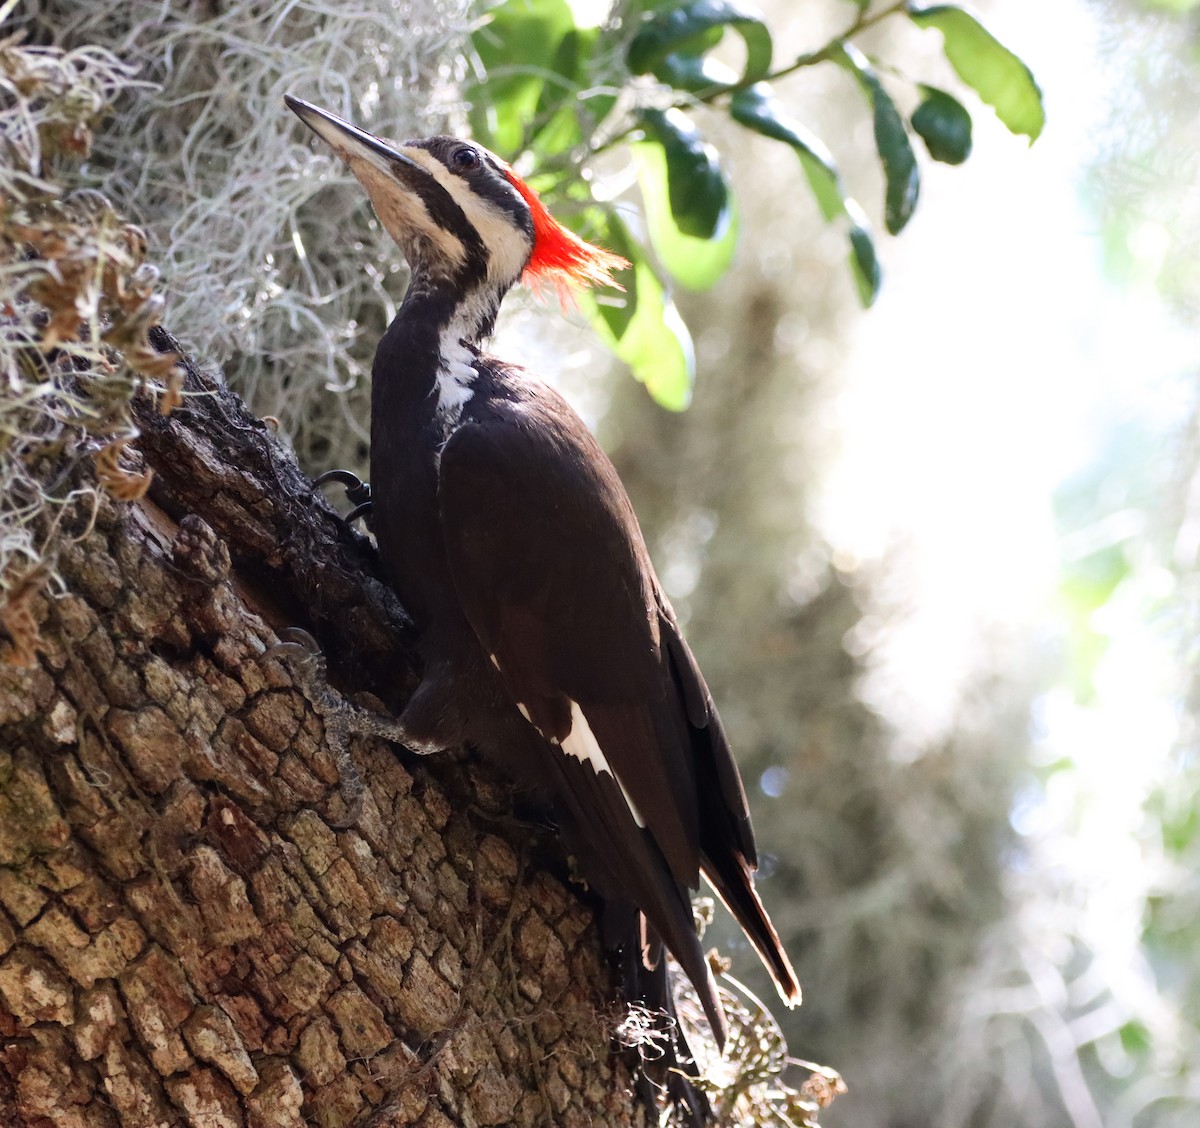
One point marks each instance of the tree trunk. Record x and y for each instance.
(185, 936)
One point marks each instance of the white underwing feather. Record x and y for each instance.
(581, 743)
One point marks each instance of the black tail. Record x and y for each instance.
(733, 881)
(666, 1061)
(626, 866)
(727, 854)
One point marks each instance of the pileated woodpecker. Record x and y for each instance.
(547, 640)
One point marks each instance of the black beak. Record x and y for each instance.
(348, 141)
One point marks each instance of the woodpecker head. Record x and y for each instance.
(464, 220)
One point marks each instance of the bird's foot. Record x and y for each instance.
(342, 718)
(358, 492)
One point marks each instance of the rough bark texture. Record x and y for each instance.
(184, 936)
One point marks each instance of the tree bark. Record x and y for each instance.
(185, 936)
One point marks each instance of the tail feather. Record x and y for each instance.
(727, 852)
(671, 1065)
(628, 868)
(732, 880)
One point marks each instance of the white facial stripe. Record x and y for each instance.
(428, 162)
(508, 246)
(581, 743)
(402, 212)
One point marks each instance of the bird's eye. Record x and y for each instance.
(465, 159)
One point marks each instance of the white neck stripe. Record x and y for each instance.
(456, 374)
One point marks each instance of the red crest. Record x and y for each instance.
(559, 255)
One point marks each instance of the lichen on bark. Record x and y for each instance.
(186, 938)
(188, 932)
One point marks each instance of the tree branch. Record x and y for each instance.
(185, 936)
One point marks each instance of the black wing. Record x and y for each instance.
(553, 574)
(549, 564)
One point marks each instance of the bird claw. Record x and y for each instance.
(358, 511)
(355, 801)
(295, 643)
(298, 636)
(358, 492)
(342, 718)
(302, 652)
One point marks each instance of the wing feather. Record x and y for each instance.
(552, 573)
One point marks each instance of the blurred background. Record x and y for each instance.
(937, 559)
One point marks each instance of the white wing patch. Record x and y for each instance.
(581, 743)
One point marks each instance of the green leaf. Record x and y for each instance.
(612, 306)
(518, 44)
(635, 9)
(694, 263)
(694, 73)
(868, 276)
(944, 124)
(698, 193)
(758, 109)
(1001, 79)
(557, 118)
(700, 42)
(1135, 1038)
(692, 30)
(903, 178)
(643, 327)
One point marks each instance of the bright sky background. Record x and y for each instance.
(997, 362)
(999, 366)
(996, 368)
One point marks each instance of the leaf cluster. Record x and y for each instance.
(556, 93)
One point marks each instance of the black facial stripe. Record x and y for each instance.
(486, 179)
(446, 213)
